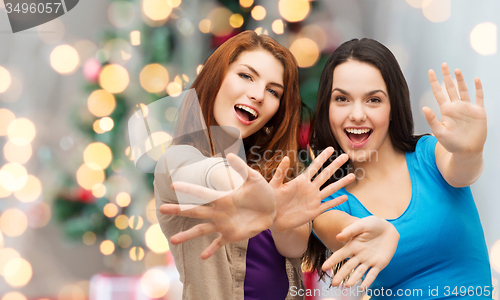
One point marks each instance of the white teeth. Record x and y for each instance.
(246, 108)
(357, 131)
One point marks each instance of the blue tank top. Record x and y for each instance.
(441, 252)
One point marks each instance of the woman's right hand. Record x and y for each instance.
(370, 245)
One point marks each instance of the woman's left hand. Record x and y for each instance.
(462, 128)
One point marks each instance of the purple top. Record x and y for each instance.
(265, 276)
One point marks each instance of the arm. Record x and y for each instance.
(461, 133)
(329, 224)
(292, 243)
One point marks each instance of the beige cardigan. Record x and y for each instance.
(221, 276)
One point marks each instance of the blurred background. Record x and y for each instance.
(77, 220)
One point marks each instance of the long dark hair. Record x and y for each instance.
(400, 128)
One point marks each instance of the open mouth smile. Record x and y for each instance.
(358, 137)
(245, 114)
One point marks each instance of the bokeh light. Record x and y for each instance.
(97, 127)
(151, 212)
(106, 124)
(124, 241)
(99, 190)
(87, 177)
(156, 10)
(101, 103)
(155, 283)
(13, 176)
(5, 79)
(14, 92)
(107, 247)
(278, 26)
(415, 3)
(436, 10)
(135, 38)
(306, 52)
(1, 240)
(123, 199)
(258, 12)
(154, 78)
(135, 222)
(121, 222)
(30, 191)
(97, 156)
(17, 153)
(236, 20)
(294, 10)
(89, 238)
(119, 50)
(114, 78)
(155, 239)
(483, 38)
(64, 59)
(121, 13)
(174, 3)
(6, 255)
(21, 131)
(198, 69)
(205, 25)
(4, 193)
(315, 33)
(246, 3)
(495, 256)
(14, 296)
(17, 272)
(174, 89)
(110, 210)
(13, 222)
(219, 19)
(39, 215)
(171, 114)
(136, 253)
(6, 118)
(72, 292)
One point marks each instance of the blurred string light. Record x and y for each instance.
(219, 21)
(124, 241)
(13, 176)
(436, 10)
(135, 38)
(13, 222)
(151, 212)
(14, 296)
(121, 13)
(198, 69)
(278, 26)
(121, 222)
(154, 78)
(415, 3)
(87, 177)
(101, 103)
(123, 199)
(106, 124)
(17, 153)
(294, 10)
(171, 114)
(99, 190)
(89, 238)
(6, 118)
(31, 191)
(236, 20)
(14, 92)
(174, 3)
(114, 78)
(21, 131)
(97, 156)
(181, 79)
(1, 240)
(204, 25)
(64, 59)
(110, 210)
(97, 128)
(4, 193)
(316, 34)
(135, 222)
(155, 239)
(118, 50)
(155, 283)
(258, 12)
(246, 3)
(5, 79)
(72, 292)
(17, 272)
(107, 247)
(156, 10)
(174, 89)
(260, 31)
(6, 255)
(483, 38)
(495, 256)
(185, 26)
(136, 253)
(306, 52)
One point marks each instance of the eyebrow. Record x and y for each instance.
(257, 73)
(367, 94)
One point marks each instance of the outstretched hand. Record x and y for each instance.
(237, 215)
(371, 243)
(299, 200)
(462, 128)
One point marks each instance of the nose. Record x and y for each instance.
(357, 113)
(256, 93)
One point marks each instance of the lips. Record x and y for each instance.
(358, 137)
(245, 113)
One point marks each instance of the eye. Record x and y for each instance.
(341, 99)
(273, 92)
(245, 76)
(374, 100)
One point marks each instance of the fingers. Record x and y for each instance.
(357, 275)
(335, 258)
(433, 122)
(370, 277)
(448, 82)
(194, 232)
(318, 162)
(436, 88)
(479, 92)
(462, 86)
(280, 173)
(190, 211)
(328, 171)
(337, 185)
(351, 231)
(214, 246)
(238, 165)
(346, 269)
(198, 191)
(332, 203)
